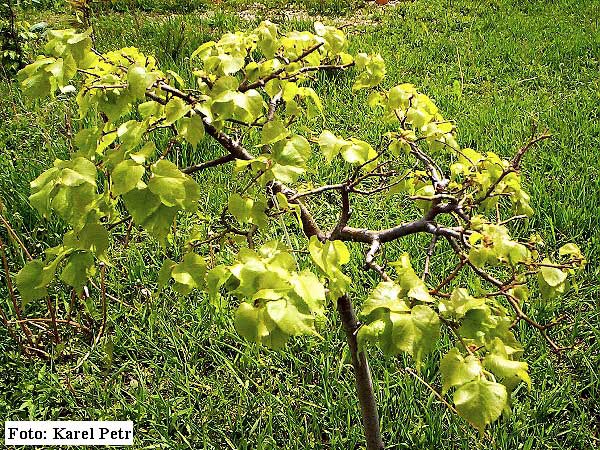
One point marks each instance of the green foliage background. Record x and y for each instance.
(185, 376)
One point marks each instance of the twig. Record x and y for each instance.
(12, 295)
(514, 303)
(109, 296)
(13, 233)
(58, 321)
(438, 396)
(329, 187)
(207, 164)
(439, 181)
(53, 319)
(261, 82)
(432, 389)
(370, 261)
(116, 224)
(451, 276)
(518, 217)
(514, 165)
(516, 162)
(40, 352)
(71, 304)
(429, 254)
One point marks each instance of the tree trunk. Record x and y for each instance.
(364, 385)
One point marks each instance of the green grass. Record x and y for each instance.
(326, 7)
(180, 371)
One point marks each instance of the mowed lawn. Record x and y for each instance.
(178, 369)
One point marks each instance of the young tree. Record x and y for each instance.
(250, 92)
(11, 39)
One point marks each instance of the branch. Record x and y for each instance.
(345, 212)
(370, 261)
(328, 187)
(429, 254)
(450, 277)
(516, 162)
(514, 165)
(309, 225)
(237, 151)
(512, 300)
(232, 146)
(207, 164)
(514, 303)
(390, 234)
(302, 70)
(261, 82)
(440, 182)
(482, 273)
(116, 224)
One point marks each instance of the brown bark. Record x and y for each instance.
(362, 374)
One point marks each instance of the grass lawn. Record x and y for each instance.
(180, 371)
